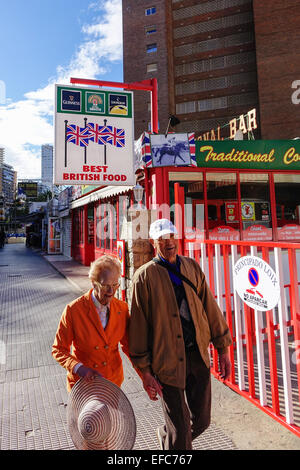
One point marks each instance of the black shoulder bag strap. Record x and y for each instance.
(185, 279)
(178, 273)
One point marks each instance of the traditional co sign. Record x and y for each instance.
(256, 283)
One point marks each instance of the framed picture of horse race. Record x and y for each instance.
(170, 150)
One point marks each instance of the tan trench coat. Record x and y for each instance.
(155, 334)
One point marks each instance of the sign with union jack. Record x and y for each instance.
(93, 139)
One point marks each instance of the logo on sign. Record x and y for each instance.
(95, 103)
(248, 211)
(70, 100)
(118, 104)
(256, 283)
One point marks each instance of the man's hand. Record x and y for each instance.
(87, 373)
(151, 386)
(225, 366)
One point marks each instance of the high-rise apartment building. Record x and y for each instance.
(214, 61)
(1, 155)
(8, 182)
(47, 165)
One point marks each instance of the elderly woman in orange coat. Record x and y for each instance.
(94, 325)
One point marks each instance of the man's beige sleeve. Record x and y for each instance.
(139, 326)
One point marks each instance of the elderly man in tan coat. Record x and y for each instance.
(173, 320)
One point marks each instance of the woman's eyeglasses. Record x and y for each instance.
(107, 287)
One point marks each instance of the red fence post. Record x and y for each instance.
(228, 306)
(249, 341)
(272, 349)
(295, 308)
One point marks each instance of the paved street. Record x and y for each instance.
(33, 396)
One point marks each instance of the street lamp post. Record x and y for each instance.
(138, 192)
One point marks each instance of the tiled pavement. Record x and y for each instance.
(33, 396)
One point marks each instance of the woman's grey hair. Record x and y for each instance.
(105, 262)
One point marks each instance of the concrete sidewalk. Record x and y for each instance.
(236, 424)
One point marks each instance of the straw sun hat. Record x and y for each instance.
(100, 416)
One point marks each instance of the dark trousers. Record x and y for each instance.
(187, 412)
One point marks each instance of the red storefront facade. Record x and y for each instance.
(97, 222)
(238, 195)
(224, 211)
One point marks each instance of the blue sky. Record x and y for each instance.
(44, 42)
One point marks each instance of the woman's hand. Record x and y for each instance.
(87, 373)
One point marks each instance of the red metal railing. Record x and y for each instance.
(265, 353)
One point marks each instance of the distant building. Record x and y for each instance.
(47, 165)
(215, 61)
(34, 187)
(8, 182)
(1, 155)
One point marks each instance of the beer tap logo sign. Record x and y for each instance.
(93, 139)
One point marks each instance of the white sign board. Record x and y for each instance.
(256, 283)
(94, 137)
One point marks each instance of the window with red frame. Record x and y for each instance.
(79, 224)
(98, 225)
(114, 223)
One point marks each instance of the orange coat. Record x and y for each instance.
(80, 328)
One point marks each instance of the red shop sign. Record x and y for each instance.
(257, 232)
(224, 232)
(289, 232)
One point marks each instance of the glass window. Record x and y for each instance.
(150, 30)
(123, 205)
(113, 207)
(150, 11)
(151, 67)
(98, 226)
(90, 222)
(192, 182)
(107, 221)
(255, 207)
(222, 206)
(102, 222)
(151, 48)
(54, 235)
(186, 107)
(79, 223)
(287, 192)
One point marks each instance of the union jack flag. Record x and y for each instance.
(99, 134)
(146, 150)
(192, 146)
(117, 137)
(77, 135)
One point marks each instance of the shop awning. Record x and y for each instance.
(100, 194)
